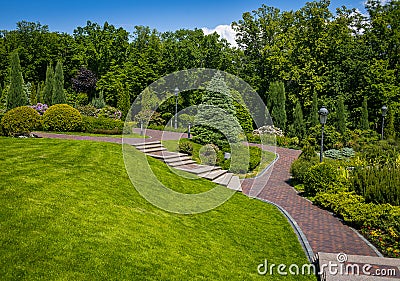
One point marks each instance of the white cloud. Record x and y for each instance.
(224, 31)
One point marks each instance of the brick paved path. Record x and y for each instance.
(324, 232)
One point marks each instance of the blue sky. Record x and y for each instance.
(64, 16)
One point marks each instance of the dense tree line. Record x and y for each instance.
(345, 60)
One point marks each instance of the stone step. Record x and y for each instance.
(153, 150)
(163, 155)
(141, 147)
(235, 184)
(199, 169)
(146, 143)
(213, 174)
(181, 163)
(177, 159)
(224, 179)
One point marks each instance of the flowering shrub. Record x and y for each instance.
(110, 112)
(270, 130)
(387, 241)
(40, 108)
(88, 110)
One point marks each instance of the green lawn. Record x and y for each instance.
(132, 135)
(68, 211)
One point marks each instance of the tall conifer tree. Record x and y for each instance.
(48, 87)
(58, 96)
(16, 95)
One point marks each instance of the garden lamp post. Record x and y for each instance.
(384, 112)
(189, 125)
(141, 127)
(323, 115)
(176, 92)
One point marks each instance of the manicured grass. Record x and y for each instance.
(68, 211)
(132, 135)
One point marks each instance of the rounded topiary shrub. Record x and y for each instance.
(62, 117)
(20, 120)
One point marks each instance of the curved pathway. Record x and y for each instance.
(324, 232)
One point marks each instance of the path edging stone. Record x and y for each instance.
(299, 233)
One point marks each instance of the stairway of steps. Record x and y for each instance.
(184, 162)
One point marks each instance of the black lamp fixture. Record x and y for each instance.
(176, 93)
(384, 110)
(323, 116)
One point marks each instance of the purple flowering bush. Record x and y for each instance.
(40, 108)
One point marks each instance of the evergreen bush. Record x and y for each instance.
(62, 117)
(102, 125)
(185, 147)
(323, 177)
(20, 120)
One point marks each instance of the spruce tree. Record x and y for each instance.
(364, 115)
(313, 118)
(299, 128)
(278, 101)
(48, 87)
(215, 119)
(340, 115)
(58, 96)
(16, 94)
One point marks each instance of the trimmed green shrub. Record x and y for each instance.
(379, 223)
(102, 125)
(62, 117)
(255, 157)
(20, 120)
(185, 147)
(300, 168)
(323, 177)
